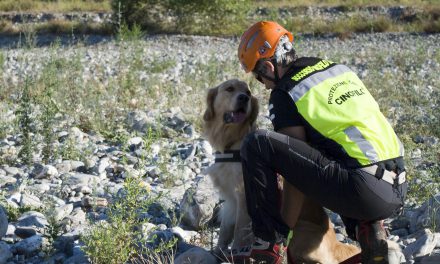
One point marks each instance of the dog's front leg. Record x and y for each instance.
(243, 235)
(227, 216)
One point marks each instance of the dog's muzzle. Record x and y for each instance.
(238, 115)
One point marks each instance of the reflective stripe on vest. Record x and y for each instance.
(336, 103)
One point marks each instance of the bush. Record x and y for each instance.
(218, 16)
(121, 239)
(183, 16)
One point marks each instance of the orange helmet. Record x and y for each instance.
(260, 41)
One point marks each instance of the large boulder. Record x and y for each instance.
(429, 215)
(5, 252)
(29, 246)
(423, 246)
(198, 203)
(3, 222)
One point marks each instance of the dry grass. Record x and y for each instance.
(54, 6)
(104, 5)
(62, 27)
(348, 3)
(57, 27)
(7, 27)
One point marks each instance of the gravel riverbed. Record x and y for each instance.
(81, 189)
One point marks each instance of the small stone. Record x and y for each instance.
(25, 232)
(12, 171)
(41, 171)
(135, 143)
(94, 202)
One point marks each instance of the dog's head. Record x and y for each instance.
(232, 102)
(230, 109)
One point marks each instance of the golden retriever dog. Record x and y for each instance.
(230, 115)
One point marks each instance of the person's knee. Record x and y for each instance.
(250, 141)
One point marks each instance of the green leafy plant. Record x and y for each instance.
(118, 239)
(49, 109)
(193, 16)
(25, 123)
(51, 232)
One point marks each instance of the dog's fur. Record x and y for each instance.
(314, 239)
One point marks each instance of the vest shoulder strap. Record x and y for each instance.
(301, 69)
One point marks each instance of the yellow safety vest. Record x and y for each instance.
(334, 101)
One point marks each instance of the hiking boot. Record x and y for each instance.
(372, 238)
(260, 252)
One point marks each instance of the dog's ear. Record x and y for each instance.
(254, 113)
(209, 112)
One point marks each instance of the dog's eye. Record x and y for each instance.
(248, 92)
(230, 89)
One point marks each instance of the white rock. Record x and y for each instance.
(29, 200)
(7, 180)
(423, 246)
(62, 211)
(186, 236)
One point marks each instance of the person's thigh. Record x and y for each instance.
(318, 177)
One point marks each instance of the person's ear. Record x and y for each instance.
(269, 66)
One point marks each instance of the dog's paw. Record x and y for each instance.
(395, 255)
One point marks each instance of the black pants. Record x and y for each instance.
(351, 193)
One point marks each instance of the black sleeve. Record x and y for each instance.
(283, 111)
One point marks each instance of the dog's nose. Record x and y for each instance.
(243, 98)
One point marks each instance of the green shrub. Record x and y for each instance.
(432, 26)
(183, 16)
(22, 5)
(2, 60)
(120, 238)
(25, 124)
(218, 16)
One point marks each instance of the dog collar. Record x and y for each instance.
(227, 156)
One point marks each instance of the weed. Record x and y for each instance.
(25, 122)
(7, 27)
(73, 27)
(49, 108)
(54, 6)
(13, 212)
(2, 61)
(69, 150)
(126, 33)
(51, 231)
(432, 26)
